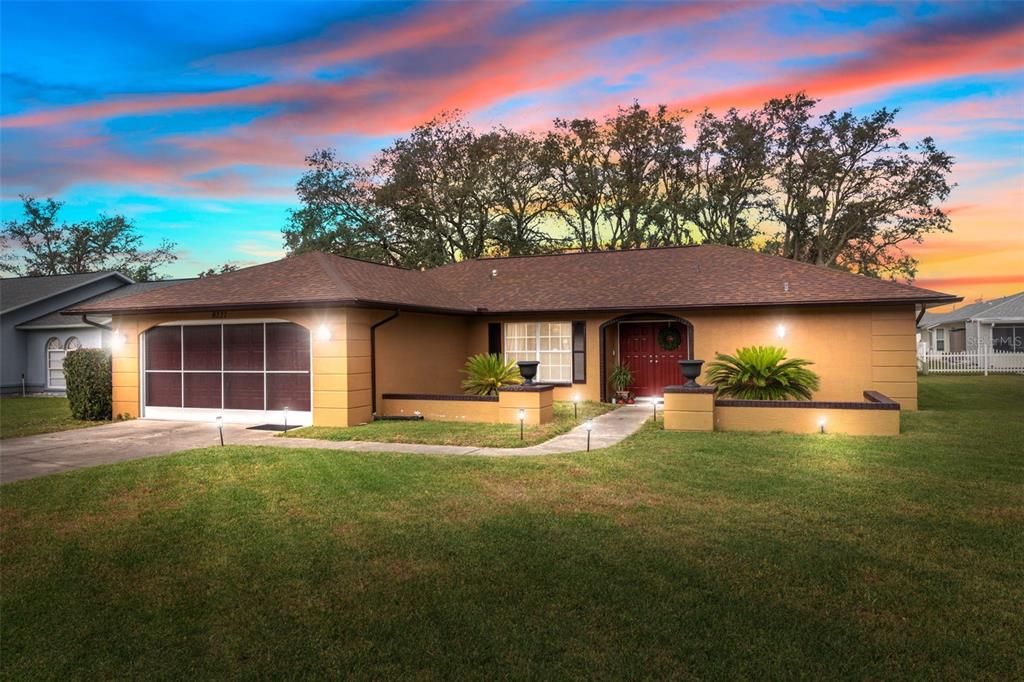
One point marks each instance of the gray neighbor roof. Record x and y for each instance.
(1007, 308)
(17, 292)
(58, 319)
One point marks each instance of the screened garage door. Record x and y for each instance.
(250, 372)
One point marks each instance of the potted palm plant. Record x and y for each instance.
(620, 380)
(485, 374)
(762, 373)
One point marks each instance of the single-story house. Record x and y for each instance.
(327, 337)
(995, 326)
(35, 336)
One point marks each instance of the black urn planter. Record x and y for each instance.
(691, 370)
(528, 368)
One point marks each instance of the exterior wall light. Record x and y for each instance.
(117, 341)
(576, 406)
(323, 332)
(821, 425)
(522, 419)
(220, 428)
(780, 331)
(589, 426)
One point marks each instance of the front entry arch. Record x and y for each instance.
(636, 343)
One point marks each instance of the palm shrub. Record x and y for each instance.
(762, 373)
(621, 377)
(486, 373)
(87, 373)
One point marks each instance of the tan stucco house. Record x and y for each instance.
(328, 337)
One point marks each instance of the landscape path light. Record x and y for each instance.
(575, 406)
(821, 425)
(655, 401)
(522, 418)
(286, 420)
(220, 428)
(589, 426)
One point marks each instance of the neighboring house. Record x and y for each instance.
(35, 337)
(995, 326)
(326, 337)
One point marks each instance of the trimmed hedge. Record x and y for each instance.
(87, 372)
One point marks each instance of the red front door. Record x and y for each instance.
(653, 366)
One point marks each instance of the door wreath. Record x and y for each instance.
(669, 338)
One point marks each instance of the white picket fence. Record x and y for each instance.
(992, 362)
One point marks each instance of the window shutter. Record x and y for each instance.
(494, 338)
(579, 352)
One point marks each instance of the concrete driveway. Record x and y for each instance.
(50, 453)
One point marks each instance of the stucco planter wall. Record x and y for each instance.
(536, 402)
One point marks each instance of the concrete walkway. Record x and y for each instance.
(33, 456)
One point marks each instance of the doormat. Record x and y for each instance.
(272, 427)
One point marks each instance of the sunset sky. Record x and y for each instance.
(193, 119)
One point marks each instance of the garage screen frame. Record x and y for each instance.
(241, 416)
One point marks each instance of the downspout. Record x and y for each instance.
(373, 358)
(85, 318)
(917, 322)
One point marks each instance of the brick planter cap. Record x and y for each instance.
(527, 388)
(690, 389)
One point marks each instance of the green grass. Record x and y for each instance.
(458, 433)
(29, 416)
(671, 555)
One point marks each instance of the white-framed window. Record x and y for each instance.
(550, 343)
(1008, 338)
(55, 354)
(940, 339)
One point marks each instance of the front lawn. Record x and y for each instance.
(29, 416)
(671, 555)
(459, 433)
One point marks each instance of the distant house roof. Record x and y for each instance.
(642, 279)
(18, 292)
(57, 319)
(1009, 308)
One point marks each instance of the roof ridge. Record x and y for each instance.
(566, 253)
(327, 266)
(68, 274)
(826, 268)
(356, 259)
(1001, 301)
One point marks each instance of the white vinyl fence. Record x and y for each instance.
(992, 362)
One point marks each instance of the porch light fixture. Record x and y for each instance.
(821, 425)
(220, 429)
(117, 341)
(589, 426)
(323, 333)
(780, 331)
(522, 419)
(575, 406)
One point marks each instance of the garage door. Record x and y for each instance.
(251, 372)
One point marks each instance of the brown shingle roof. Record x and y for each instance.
(683, 277)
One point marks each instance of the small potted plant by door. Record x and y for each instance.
(620, 380)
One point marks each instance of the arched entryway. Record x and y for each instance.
(651, 344)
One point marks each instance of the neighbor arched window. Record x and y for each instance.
(55, 353)
(72, 343)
